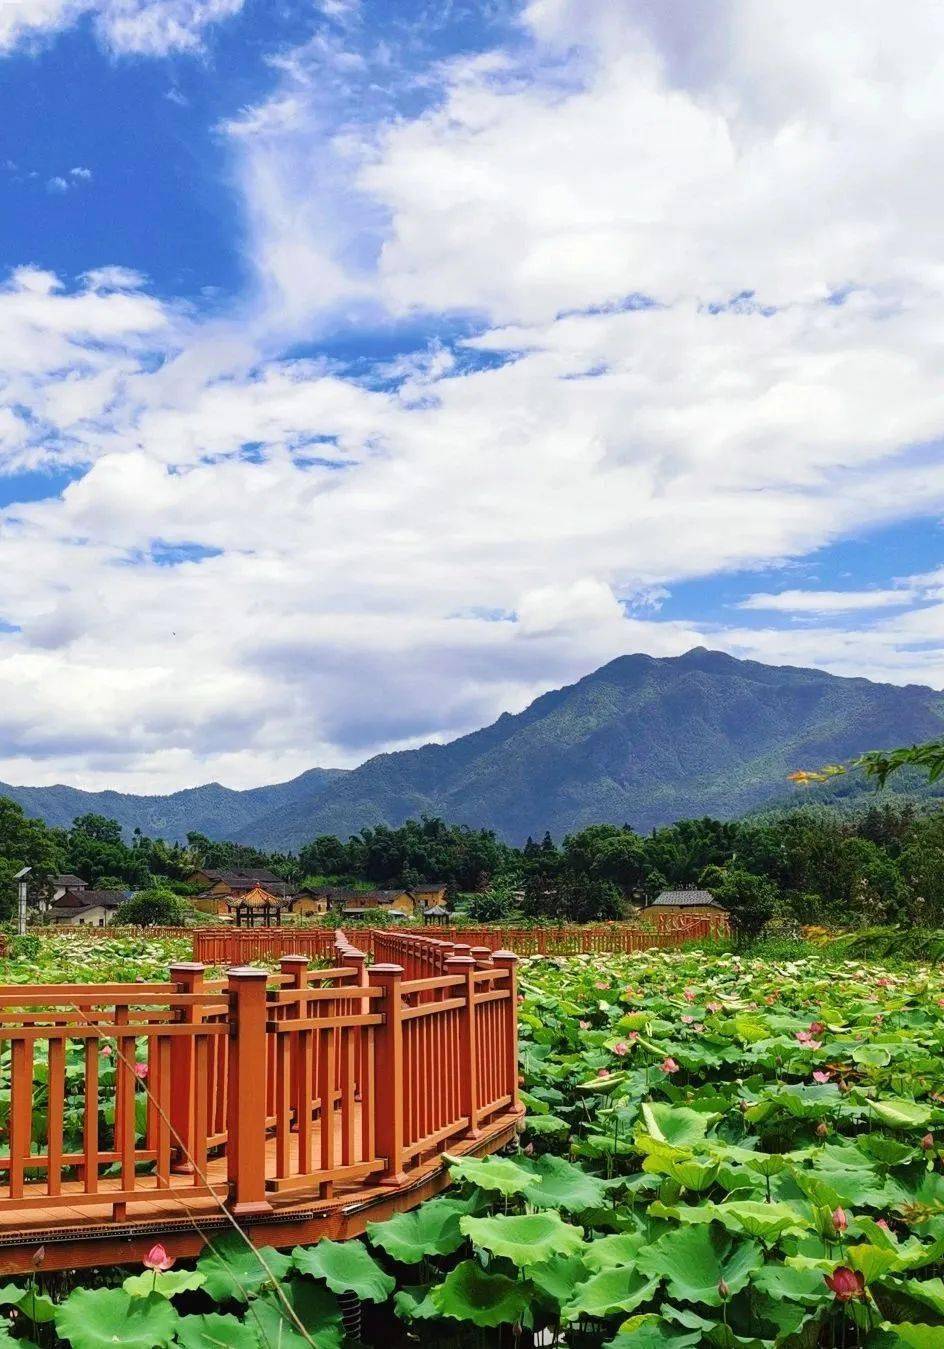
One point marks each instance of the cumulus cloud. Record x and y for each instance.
(699, 261)
(142, 27)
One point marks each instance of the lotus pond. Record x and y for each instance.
(719, 1151)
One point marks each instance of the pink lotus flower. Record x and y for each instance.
(927, 1142)
(584, 1025)
(158, 1259)
(883, 1225)
(603, 1072)
(698, 1027)
(687, 1020)
(620, 1048)
(714, 1006)
(601, 983)
(819, 1076)
(817, 1027)
(840, 1221)
(634, 1035)
(689, 995)
(668, 1065)
(140, 1071)
(845, 1283)
(804, 1038)
(106, 1051)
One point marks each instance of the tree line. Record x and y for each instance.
(883, 863)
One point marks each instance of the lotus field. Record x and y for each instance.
(721, 1151)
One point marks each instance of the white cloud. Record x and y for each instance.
(140, 27)
(828, 601)
(57, 184)
(402, 558)
(82, 174)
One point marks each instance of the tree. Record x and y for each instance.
(749, 900)
(152, 908)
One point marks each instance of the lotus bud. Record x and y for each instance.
(723, 1289)
(840, 1221)
(822, 1129)
(927, 1142)
(845, 1283)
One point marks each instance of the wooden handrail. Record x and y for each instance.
(296, 1082)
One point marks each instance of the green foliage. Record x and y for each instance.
(155, 907)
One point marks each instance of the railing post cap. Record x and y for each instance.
(504, 955)
(460, 960)
(390, 970)
(247, 972)
(295, 956)
(187, 967)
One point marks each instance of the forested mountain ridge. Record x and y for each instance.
(642, 740)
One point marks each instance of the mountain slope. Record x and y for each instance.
(641, 740)
(218, 812)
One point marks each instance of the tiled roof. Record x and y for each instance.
(681, 899)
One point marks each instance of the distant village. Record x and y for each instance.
(244, 894)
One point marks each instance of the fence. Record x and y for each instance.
(226, 946)
(253, 1086)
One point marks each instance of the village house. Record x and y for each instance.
(691, 902)
(85, 907)
(219, 887)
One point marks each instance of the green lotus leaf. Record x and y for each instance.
(11, 1294)
(795, 1285)
(312, 1305)
(37, 1306)
(560, 1184)
(415, 1304)
(470, 1293)
(525, 1239)
(166, 1283)
(431, 1229)
(549, 1125)
(346, 1267)
(872, 1262)
(611, 1252)
(214, 1331)
(491, 1173)
(694, 1260)
(611, 1291)
(769, 1222)
(928, 1291)
(899, 1113)
(94, 1318)
(234, 1271)
(649, 1331)
(766, 1163)
(557, 1279)
(674, 1124)
(692, 1174)
(917, 1336)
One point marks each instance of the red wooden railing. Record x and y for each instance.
(256, 1086)
(226, 946)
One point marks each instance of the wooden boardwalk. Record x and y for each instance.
(302, 1102)
(83, 1234)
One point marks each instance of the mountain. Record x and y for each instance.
(642, 740)
(218, 812)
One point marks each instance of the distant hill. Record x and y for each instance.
(642, 740)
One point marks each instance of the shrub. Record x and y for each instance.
(152, 908)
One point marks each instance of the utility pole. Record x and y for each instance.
(20, 879)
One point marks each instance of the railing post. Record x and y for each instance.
(468, 1045)
(188, 978)
(507, 960)
(388, 1072)
(246, 1092)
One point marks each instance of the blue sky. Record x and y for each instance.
(367, 368)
